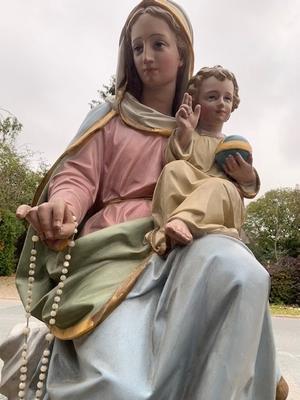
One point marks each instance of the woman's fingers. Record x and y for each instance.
(51, 220)
(22, 211)
(58, 214)
(68, 227)
(45, 217)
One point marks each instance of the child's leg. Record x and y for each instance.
(176, 181)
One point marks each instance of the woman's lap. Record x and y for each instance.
(190, 329)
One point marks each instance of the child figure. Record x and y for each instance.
(193, 195)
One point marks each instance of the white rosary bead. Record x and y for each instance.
(35, 238)
(21, 394)
(23, 377)
(32, 258)
(61, 285)
(71, 243)
(22, 385)
(40, 384)
(63, 277)
(64, 271)
(26, 331)
(31, 272)
(44, 368)
(49, 337)
(66, 264)
(68, 257)
(42, 377)
(31, 279)
(46, 353)
(52, 321)
(54, 306)
(53, 313)
(38, 393)
(33, 252)
(23, 370)
(24, 353)
(59, 292)
(45, 360)
(57, 299)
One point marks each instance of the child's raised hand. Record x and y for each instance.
(239, 169)
(186, 118)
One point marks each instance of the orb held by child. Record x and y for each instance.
(232, 145)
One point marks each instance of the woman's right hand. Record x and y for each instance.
(53, 222)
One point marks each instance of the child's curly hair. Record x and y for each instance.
(218, 72)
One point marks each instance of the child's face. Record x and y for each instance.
(215, 98)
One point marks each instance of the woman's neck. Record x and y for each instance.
(159, 99)
(210, 129)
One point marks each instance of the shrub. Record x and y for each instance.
(285, 280)
(10, 230)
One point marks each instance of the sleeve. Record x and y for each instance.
(174, 152)
(250, 191)
(79, 179)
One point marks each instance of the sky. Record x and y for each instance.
(55, 55)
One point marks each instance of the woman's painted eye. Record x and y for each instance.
(137, 49)
(159, 44)
(212, 97)
(228, 99)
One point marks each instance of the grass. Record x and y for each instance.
(286, 311)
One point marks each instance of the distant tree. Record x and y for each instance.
(107, 92)
(18, 182)
(273, 225)
(17, 176)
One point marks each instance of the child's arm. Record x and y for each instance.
(187, 121)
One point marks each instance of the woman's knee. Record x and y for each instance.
(229, 261)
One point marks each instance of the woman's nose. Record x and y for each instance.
(147, 54)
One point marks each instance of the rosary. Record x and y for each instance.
(54, 309)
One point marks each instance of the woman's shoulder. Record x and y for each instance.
(95, 115)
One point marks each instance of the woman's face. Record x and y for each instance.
(155, 52)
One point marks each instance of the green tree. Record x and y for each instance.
(273, 225)
(18, 182)
(107, 92)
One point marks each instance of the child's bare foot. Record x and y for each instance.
(178, 232)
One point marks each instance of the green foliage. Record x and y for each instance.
(18, 182)
(10, 230)
(10, 127)
(107, 92)
(273, 225)
(285, 279)
(18, 179)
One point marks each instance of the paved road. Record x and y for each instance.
(287, 334)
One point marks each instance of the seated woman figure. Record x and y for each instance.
(130, 325)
